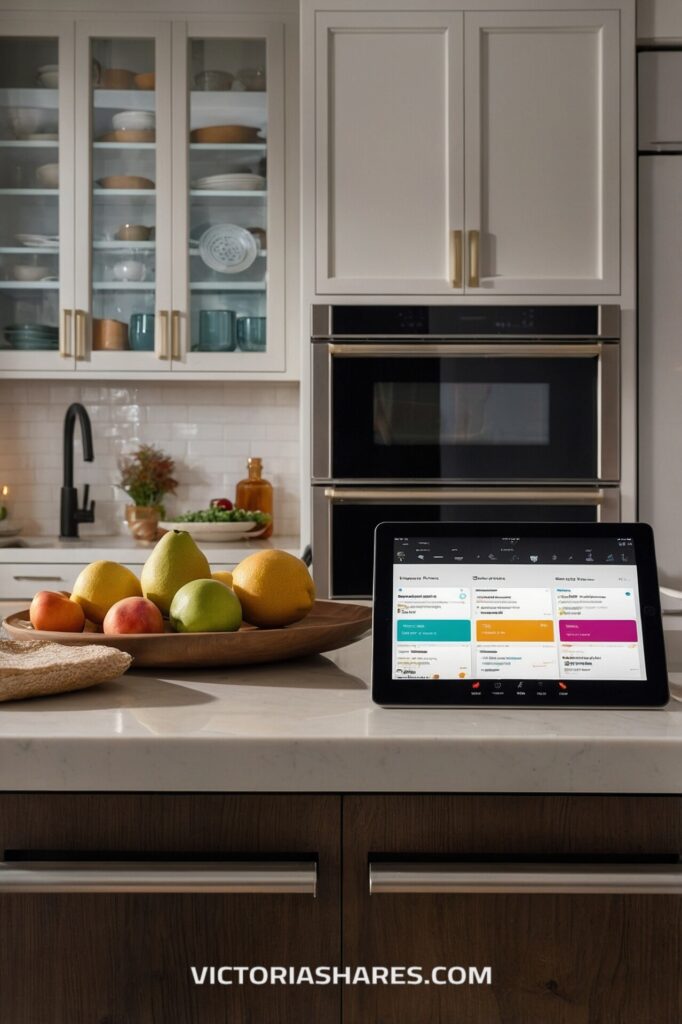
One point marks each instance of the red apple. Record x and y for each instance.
(133, 615)
(53, 611)
(224, 503)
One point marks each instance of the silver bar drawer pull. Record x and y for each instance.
(534, 879)
(158, 877)
(40, 579)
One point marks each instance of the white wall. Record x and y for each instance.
(210, 429)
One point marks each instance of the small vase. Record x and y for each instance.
(143, 521)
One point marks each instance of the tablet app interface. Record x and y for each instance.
(480, 608)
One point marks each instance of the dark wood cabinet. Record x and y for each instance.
(554, 958)
(126, 958)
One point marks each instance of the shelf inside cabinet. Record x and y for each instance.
(124, 99)
(28, 144)
(234, 147)
(53, 192)
(28, 286)
(45, 98)
(124, 145)
(30, 250)
(228, 286)
(118, 246)
(123, 286)
(214, 193)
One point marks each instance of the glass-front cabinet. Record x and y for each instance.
(230, 168)
(36, 211)
(142, 197)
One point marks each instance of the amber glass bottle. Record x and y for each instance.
(255, 493)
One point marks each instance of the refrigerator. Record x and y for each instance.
(660, 310)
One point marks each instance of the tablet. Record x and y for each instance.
(517, 615)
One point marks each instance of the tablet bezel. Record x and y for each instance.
(651, 692)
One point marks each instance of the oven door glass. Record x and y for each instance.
(463, 418)
(352, 531)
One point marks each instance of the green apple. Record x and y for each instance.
(205, 606)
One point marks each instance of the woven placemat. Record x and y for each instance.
(38, 668)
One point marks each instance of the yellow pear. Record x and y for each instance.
(175, 560)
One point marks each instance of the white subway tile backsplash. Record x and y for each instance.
(209, 428)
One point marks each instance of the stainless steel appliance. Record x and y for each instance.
(458, 413)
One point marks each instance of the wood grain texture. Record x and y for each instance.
(554, 959)
(122, 959)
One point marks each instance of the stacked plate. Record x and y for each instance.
(230, 182)
(228, 248)
(31, 337)
(39, 241)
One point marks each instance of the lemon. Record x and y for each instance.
(205, 606)
(223, 576)
(100, 585)
(274, 588)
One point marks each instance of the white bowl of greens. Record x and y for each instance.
(216, 524)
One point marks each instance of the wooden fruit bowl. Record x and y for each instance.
(330, 625)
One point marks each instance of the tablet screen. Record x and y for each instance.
(553, 613)
(516, 608)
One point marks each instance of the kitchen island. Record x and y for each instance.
(265, 811)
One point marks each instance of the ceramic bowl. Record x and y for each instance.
(133, 181)
(134, 233)
(136, 119)
(146, 81)
(47, 175)
(25, 120)
(130, 270)
(226, 133)
(214, 81)
(116, 78)
(109, 335)
(253, 79)
(48, 79)
(21, 272)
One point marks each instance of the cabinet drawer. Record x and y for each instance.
(557, 955)
(126, 955)
(21, 580)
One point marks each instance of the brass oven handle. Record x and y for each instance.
(65, 333)
(456, 258)
(457, 350)
(158, 877)
(176, 325)
(467, 495)
(537, 879)
(162, 350)
(474, 259)
(81, 323)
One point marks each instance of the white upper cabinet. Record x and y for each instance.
(542, 151)
(389, 130)
(467, 153)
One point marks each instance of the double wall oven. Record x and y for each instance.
(458, 413)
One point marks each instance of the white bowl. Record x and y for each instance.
(47, 67)
(47, 175)
(20, 272)
(213, 531)
(130, 270)
(48, 79)
(25, 120)
(140, 120)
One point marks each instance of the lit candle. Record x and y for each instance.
(4, 493)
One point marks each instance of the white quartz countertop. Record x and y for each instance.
(125, 549)
(310, 726)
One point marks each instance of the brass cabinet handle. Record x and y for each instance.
(39, 579)
(474, 259)
(65, 334)
(162, 877)
(162, 350)
(539, 879)
(176, 325)
(456, 258)
(81, 323)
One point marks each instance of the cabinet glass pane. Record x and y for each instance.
(123, 194)
(228, 195)
(29, 194)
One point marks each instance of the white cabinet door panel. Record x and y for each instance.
(542, 144)
(389, 152)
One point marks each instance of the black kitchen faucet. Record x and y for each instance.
(70, 514)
